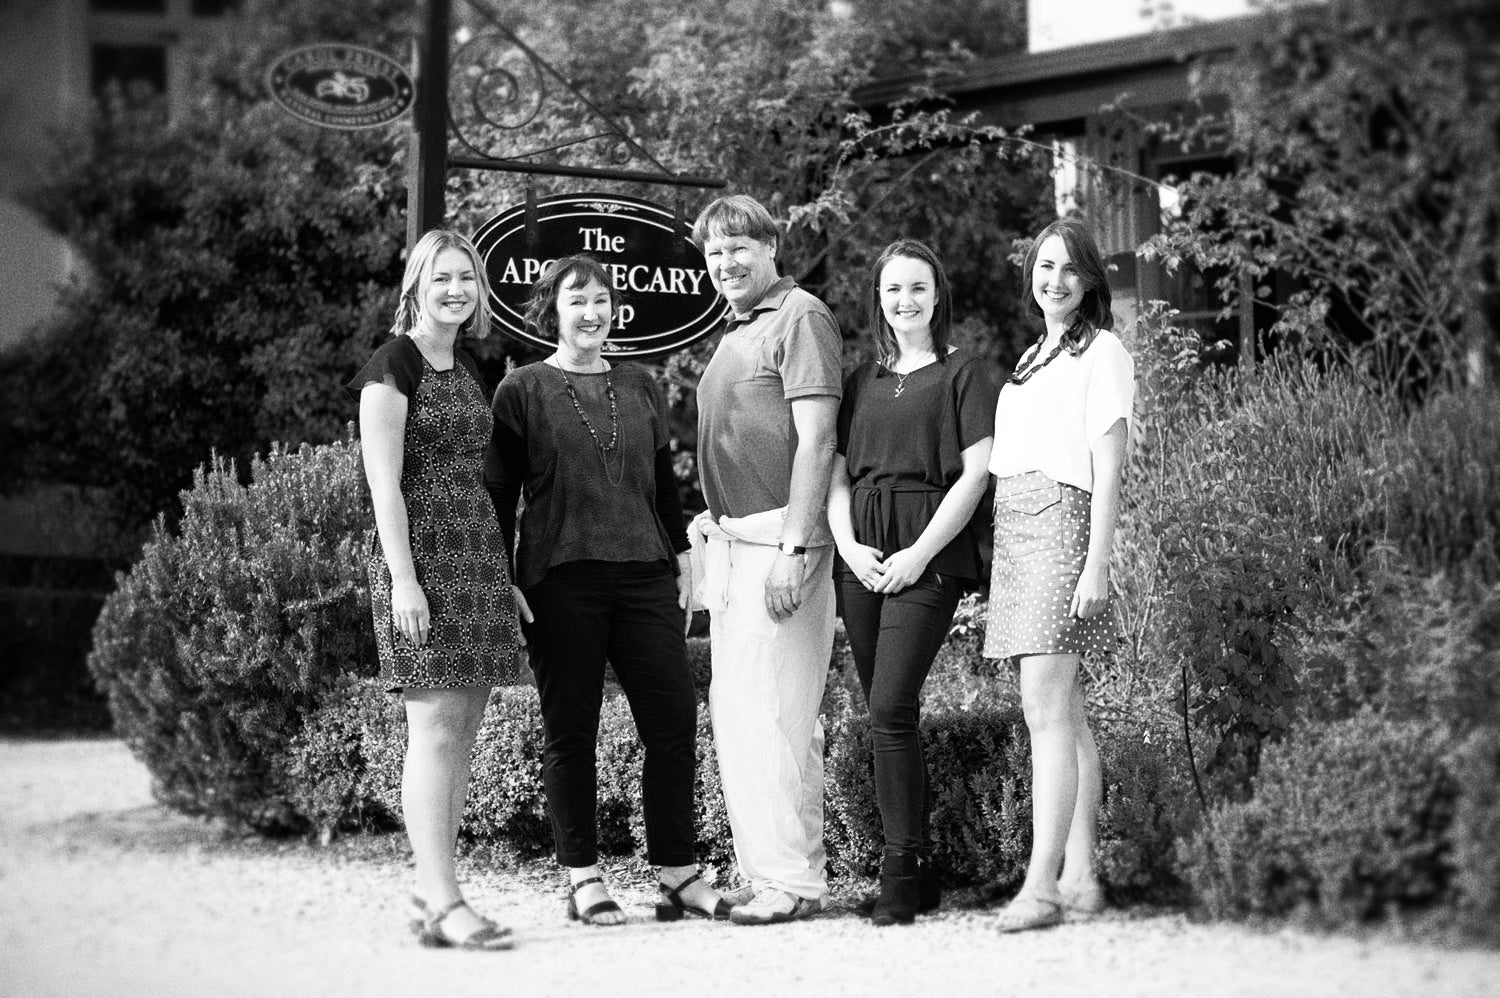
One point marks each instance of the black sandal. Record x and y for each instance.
(429, 932)
(676, 907)
(597, 908)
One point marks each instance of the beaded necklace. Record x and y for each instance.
(588, 424)
(1018, 377)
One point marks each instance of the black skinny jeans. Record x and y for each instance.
(586, 612)
(894, 639)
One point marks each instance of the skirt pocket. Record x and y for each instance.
(1030, 493)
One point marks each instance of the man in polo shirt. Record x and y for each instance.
(767, 408)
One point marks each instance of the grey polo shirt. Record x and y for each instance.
(787, 347)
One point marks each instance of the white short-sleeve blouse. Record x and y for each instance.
(1050, 423)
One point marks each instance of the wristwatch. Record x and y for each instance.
(791, 549)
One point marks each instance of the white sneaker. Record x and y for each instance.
(743, 894)
(774, 905)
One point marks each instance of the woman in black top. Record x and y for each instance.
(914, 435)
(602, 572)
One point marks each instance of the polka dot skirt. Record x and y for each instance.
(1041, 540)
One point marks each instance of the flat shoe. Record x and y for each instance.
(488, 937)
(1086, 902)
(420, 913)
(1026, 912)
(773, 906)
(743, 894)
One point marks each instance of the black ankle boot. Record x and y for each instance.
(929, 887)
(900, 891)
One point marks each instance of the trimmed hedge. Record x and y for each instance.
(1350, 820)
(346, 766)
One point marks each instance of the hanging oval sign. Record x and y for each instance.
(666, 299)
(340, 86)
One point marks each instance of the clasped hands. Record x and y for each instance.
(884, 575)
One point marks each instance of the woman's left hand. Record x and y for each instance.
(901, 570)
(1091, 595)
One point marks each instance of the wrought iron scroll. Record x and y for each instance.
(498, 85)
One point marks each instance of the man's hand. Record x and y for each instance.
(784, 585)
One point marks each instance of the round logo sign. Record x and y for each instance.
(666, 298)
(340, 86)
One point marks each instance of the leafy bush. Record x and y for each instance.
(1412, 647)
(1476, 831)
(1444, 504)
(1252, 494)
(1349, 818)
(222, 640)
(979, 785)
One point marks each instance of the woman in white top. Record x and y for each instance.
(1060, 429)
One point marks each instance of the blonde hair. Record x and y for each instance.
(419, 263)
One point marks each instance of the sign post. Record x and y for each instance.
(427, 149)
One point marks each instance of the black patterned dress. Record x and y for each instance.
(456, 543)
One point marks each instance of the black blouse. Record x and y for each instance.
(580, 504)
(401, 358)
(905, 452)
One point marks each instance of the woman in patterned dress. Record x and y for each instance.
(602, 572)
(914, 435)
(1060, 429)
(445, 618)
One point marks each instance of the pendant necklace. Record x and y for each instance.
(901, 376)
(588, 424)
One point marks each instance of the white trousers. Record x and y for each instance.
(768, 680)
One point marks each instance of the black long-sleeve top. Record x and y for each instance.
(583, 499)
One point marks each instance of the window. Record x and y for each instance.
(128, 6)
(130, 67)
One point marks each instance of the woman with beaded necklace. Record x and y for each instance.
(601, 572)
(1060, 431)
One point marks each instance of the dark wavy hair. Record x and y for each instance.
(942, 312)
(567, 272)
(1094, 313)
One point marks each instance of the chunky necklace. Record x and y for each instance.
(1019, 378)
(614, 412)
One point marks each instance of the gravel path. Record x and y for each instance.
(103, 893)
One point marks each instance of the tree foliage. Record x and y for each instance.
(1366, 137)
(241, 264)
(237, 266)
